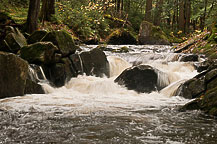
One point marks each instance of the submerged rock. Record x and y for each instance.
(121, 37)
(13, 75)
(36, 36)
(141, 78)
(153, 35)
(63, 41)
(39, 53)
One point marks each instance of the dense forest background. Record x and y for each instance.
(97, 19)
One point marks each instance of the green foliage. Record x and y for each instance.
(85, 19)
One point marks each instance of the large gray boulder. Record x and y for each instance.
(93, 62)
(13, 75)
(39, 53)
(15, 79)
(63, 41)
(141, 78)
(153, 35)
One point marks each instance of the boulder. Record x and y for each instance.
(14, 40)
(152, 35)
(59, 73)
(189, 58)
(39, 53)
(14, 72)
(121, 37)
(192, 88)
(36, 36)
(63, 41)
(93, 62)
(206, 103)
(207, 100)
(141, 78)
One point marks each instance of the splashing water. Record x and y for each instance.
(90, 109)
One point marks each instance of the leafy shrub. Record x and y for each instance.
(86, 19)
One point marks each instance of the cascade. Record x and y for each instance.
(98, 110)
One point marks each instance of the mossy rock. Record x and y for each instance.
(63, 41)
(14, 40)
(39, 53)
(153, 35)
(36, 36)
(121, 37)
(207, 102)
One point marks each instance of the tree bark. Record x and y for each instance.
(47, 10)
(32, 19)
(181, 16)
(187, 15)
(148, 10)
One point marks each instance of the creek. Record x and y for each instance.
(91, 109)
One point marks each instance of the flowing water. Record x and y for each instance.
(90, 109)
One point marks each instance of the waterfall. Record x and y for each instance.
(117, 65)
(36, 73)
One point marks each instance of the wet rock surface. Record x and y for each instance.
(13, 75)
(206, 88)
(93, 62)
(141, 78)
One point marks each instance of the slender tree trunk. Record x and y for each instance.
(122, 5)
(118, 5)
(181, 16)
(148, 10)
(32, 19)
(187, 15)
(47, 10)
(157, 15)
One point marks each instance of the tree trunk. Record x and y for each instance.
(118, 5)
(181, 16)
(187, 15)
(157, 16)
(32, 19)
(148, 10)
(47, 10)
